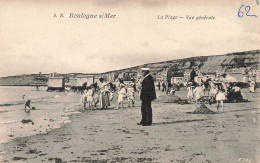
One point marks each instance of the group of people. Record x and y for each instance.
(218, 92)
(197, 91)
(165, 86)
(87, 97)
(104, 94)
(168, 87)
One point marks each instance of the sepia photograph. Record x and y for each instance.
(107, 81)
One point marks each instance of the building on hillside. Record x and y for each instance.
(162, 76)
(175, 80)
(167, 73)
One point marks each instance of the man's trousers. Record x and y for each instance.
(147, 115)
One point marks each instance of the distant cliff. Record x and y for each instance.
(206, 64)
(24, 80)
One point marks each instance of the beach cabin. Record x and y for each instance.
(56, 83)
(175, 80)
(89, 79)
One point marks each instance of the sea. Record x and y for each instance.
(52, 110)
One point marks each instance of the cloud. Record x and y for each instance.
(32, 40)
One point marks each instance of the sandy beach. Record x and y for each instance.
(175, 136)
(58, 55)
(52, 110)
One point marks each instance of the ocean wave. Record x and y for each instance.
(12, 103)
(4, 111)
(33, 100)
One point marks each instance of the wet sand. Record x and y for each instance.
(50, 113)
(175, 136)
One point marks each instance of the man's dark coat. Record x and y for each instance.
(148, 89)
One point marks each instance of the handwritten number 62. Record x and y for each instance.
(247, 9)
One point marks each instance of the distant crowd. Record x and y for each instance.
(210, 91)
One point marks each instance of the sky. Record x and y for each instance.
(33, 41)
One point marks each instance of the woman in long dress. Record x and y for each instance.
(84, 98)
(190, 92)
(213, 91)
(198, 91)
(104, 94)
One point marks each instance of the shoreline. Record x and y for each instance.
(25, 85)
(62, 125)
(50, 113)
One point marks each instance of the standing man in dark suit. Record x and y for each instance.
(147, 95)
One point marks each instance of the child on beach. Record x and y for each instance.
(89, 95)
(220, 97)
(121, 94)
(27, 104)
(252, 87)
(172, 91)
(130, 95)
(84, 98)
